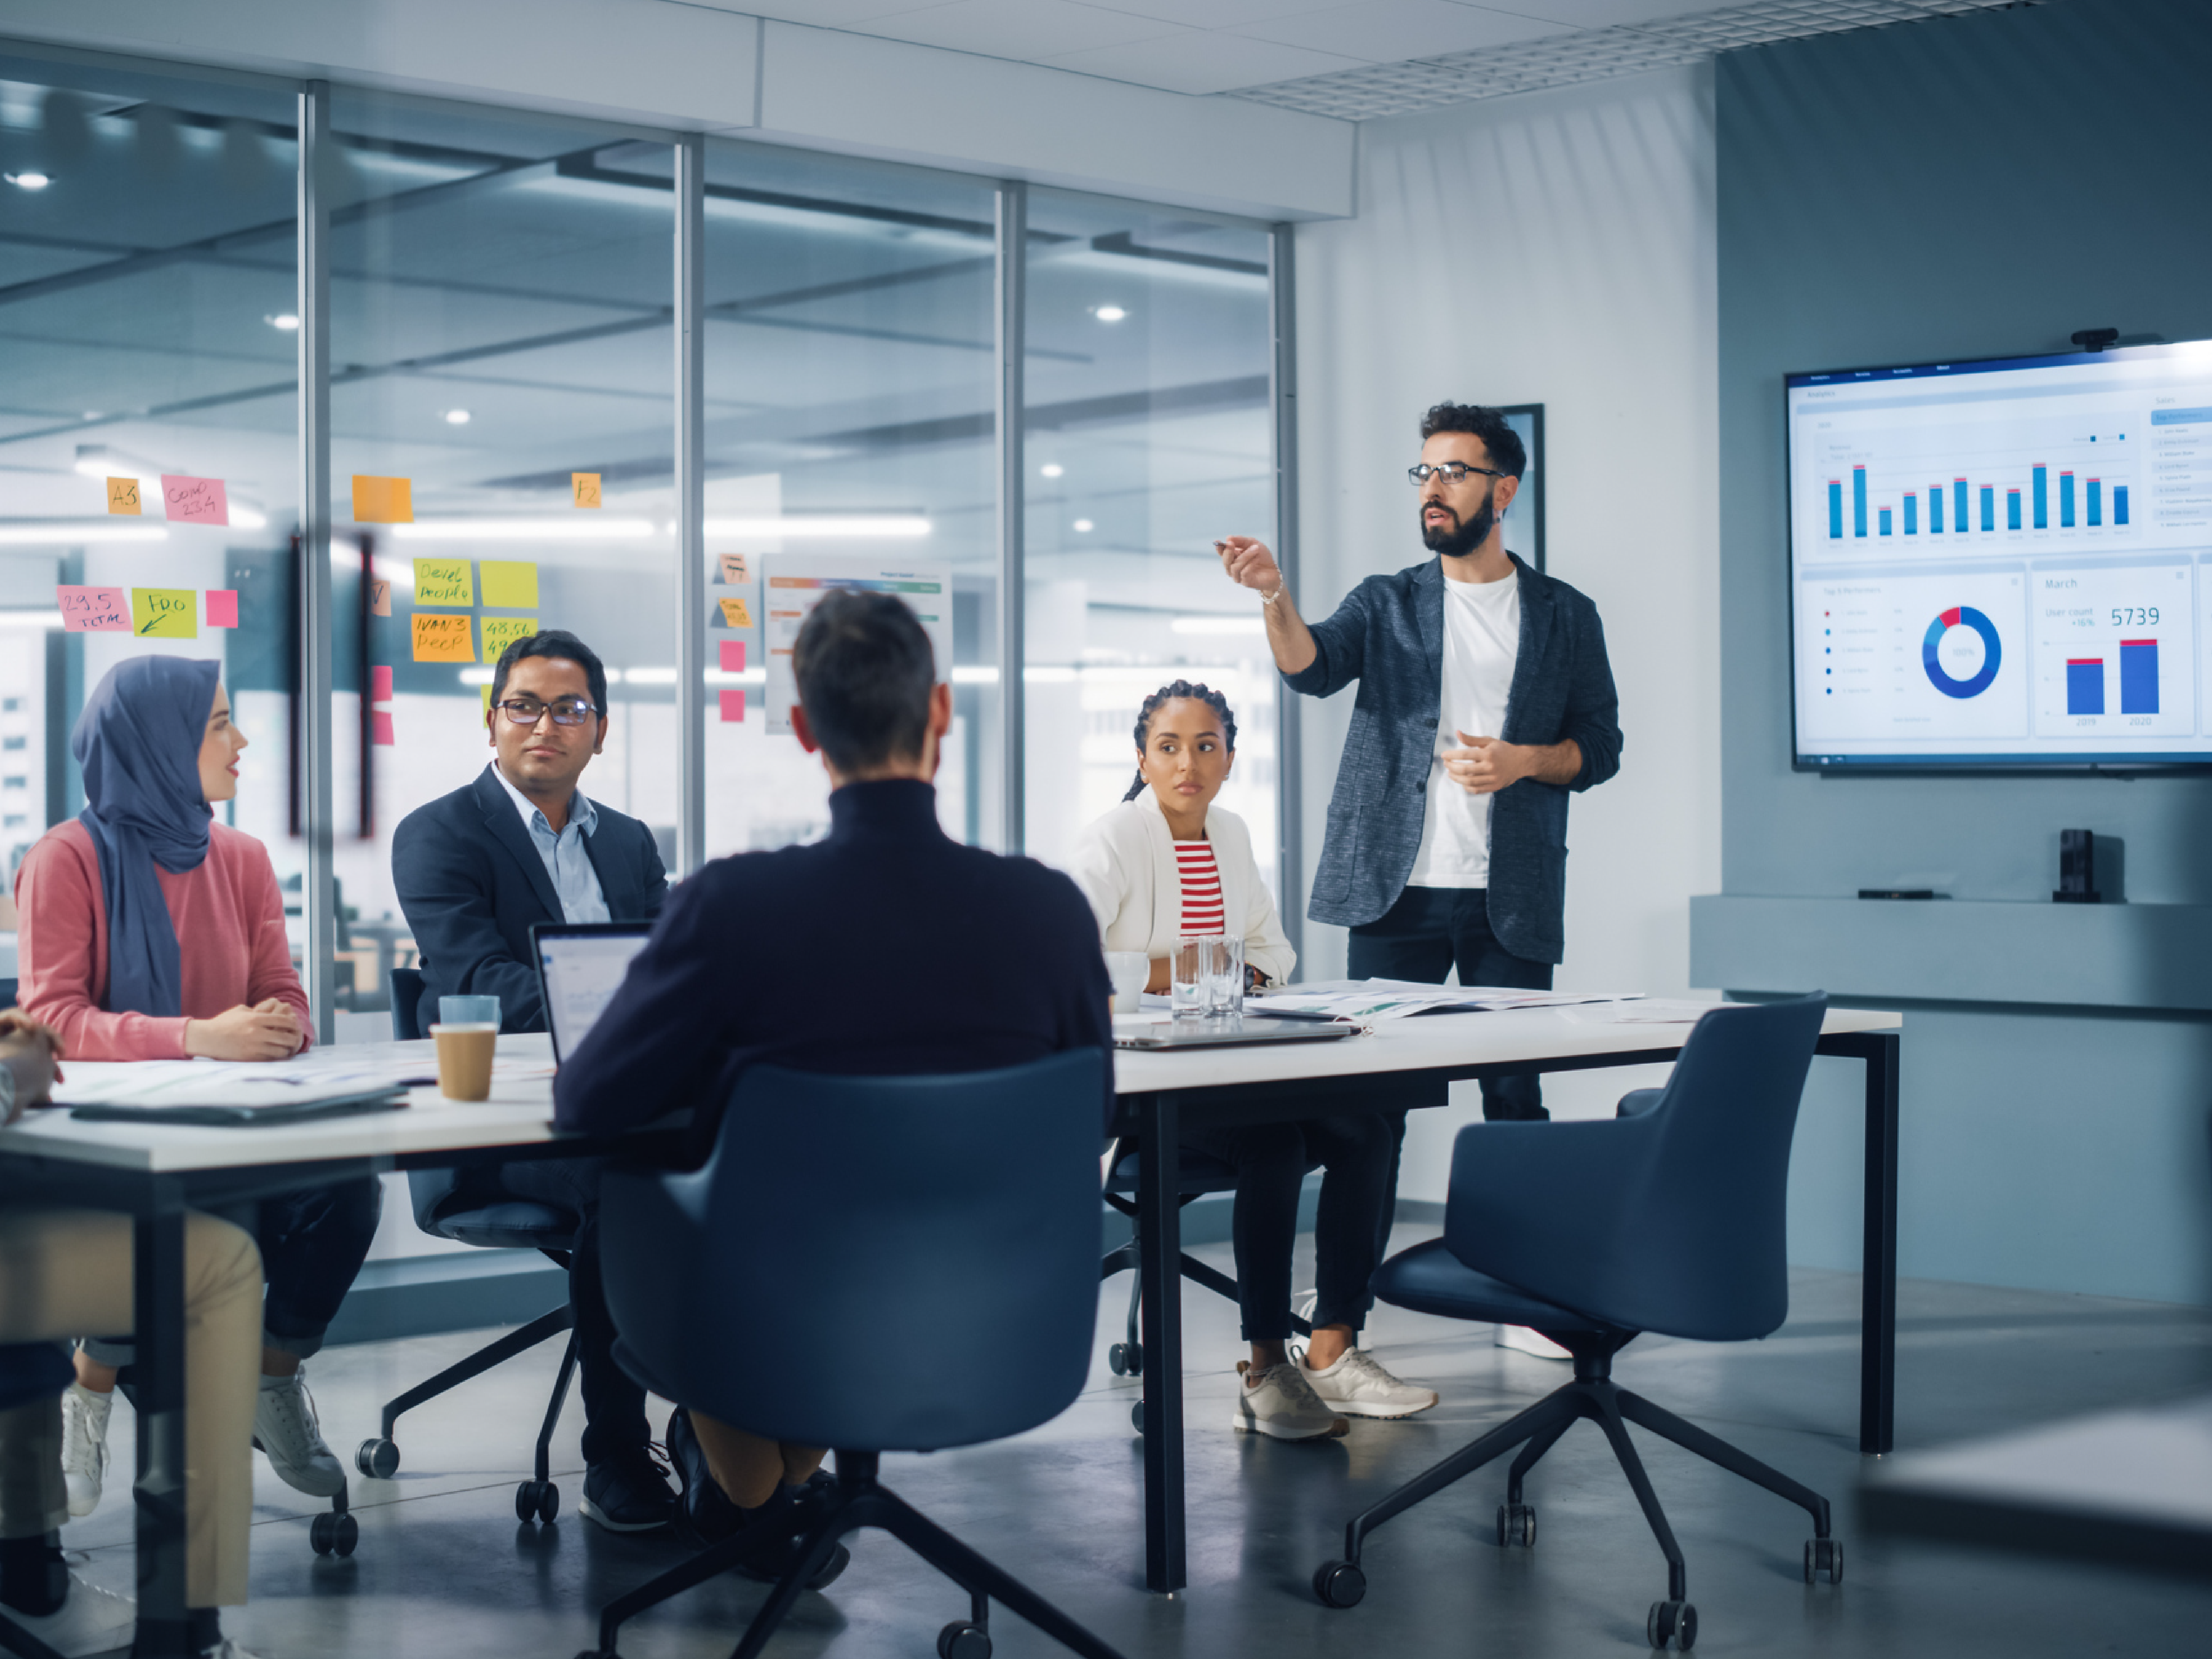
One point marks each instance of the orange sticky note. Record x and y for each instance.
(379, 597)
(379, 685)
(93, 609)
(732, 569)
(383, 500)
(585, 486)
(195, 501)
(123, 496)
(379, 726)
(440, 638)
(734, 705)
(736, 613)
(733, 656)
(221, 607)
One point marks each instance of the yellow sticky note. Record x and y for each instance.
(123, 496)
(383, 500)
(736, 614)
(510, 584)
(165, 613)
(585, 486)
(486, 689)
(442, 638)
(379, 597)
(500, 632)
(444, 581)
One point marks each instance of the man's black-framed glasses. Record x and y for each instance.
(1451, 472)
(566, 711)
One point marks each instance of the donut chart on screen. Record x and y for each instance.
(1960, 616)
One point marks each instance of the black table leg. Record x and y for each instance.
(157, 1331)
(1159, 1246)
(1878, 1272)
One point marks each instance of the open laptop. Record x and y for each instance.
(1230, 1033)
(580, 965)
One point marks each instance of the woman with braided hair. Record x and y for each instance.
(1166, 863)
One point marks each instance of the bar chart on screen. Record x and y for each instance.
(2115, 650)
(1973, 487)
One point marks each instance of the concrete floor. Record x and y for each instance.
(443, 1569)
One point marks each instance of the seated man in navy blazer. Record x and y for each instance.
(475, 870)
(885, 948)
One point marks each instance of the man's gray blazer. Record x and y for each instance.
(1388, 634)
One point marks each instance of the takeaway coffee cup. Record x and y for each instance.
(464, 1053)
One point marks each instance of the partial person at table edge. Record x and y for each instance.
(475, 870)
(886, 948)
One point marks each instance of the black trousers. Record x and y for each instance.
(614, 1405)
(1357, 1153)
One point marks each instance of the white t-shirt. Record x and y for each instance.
(1482, 641)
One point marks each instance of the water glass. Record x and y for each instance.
(1224, 981)
(1129, 970)
(469, 1010)
(1189, 975)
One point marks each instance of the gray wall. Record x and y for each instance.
(1962, 187)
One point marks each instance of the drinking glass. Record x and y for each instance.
(1129, 970)
(1225, 983)
(1188, 973)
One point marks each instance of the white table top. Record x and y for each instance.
(520, 1111)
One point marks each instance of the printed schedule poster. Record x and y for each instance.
(793, 586)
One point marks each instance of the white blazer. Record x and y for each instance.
(1125, 864)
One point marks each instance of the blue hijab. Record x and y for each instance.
(138, 741)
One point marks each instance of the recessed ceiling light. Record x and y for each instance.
(30, 180)
(1083, 526)
(1052, 469)
(1108, 314)
(457, 418)
(284, 319)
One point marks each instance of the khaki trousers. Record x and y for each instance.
(62, 1272)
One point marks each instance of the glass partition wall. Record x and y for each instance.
(502, 451)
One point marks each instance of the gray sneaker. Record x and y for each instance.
(1282, 1406)
(284, 1427)
(89, 1621)
(1359, 1387)
(84, 1446)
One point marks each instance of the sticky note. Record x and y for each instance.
(736, 614)
(500, 632)
(585, 486)
(222, 607)
(444, 581)
(379, 685)
(442, 638)
(123, 496)
(732, 569)
(379, 597)
(379, 726)
(510, 584)
(734, 705)
(733, 656)
(93, 609)
(165, 613)
(382, 501)
(486, 689)
(194, 501)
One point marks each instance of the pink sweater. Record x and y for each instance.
(230, 918)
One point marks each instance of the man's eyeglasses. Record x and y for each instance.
(566, 711)
(1451, 471)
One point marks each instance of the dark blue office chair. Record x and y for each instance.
(467, 1207)
(33, 1370)
(902, 1212)
(1669, 1218)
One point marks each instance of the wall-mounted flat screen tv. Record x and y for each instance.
(2003, 564)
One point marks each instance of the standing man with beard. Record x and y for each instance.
(1484, 697)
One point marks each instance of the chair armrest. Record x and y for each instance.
(1540, 1205)
(1636, 1101)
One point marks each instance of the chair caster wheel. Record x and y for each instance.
(537, 1500)
(377, 1459)
(1672, 1621)
(1516, 1524)
(1339, 1584)
(331, 1533)
(962, 1640)
(1137, 1417)
(1824, 1555)
(1126, 1358)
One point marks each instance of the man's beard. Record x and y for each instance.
(1458, 543)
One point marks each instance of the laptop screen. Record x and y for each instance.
(581, 967)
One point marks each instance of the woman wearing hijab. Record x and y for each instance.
(148, 931)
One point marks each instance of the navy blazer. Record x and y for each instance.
(471, 883)
(1388, 634)
(886, 948)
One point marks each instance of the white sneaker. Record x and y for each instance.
(1282, 1404)
(84, 1446)
(1357, 1385)
(1521, 1339)
(226, 1648)
(91, 1620)
(284, 1427)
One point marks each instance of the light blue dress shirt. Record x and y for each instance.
(566, 858)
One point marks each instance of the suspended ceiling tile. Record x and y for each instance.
(1027, 30)
(1391, 31)
(1199, 61)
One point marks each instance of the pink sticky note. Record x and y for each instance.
(379, 685)
(93, 609)
(733, 656)
(195, 501)
(379, 726)
(221, 608)
(734, 705)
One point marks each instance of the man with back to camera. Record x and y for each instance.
(1484, 698)
(993, 962)
(474, 870)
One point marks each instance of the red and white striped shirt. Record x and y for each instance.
(1202, 912)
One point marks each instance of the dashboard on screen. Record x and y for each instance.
(2005, 563)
